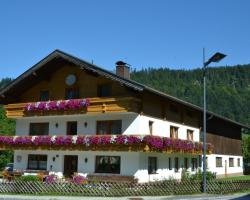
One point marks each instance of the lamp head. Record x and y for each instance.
(215, 58)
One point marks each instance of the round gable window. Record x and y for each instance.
(70, 79)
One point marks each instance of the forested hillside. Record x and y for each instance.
(228, 88)
(7, 127)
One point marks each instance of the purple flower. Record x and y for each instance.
(67, 140)
(51, 179)
(41, 106)
(23, 140)
(85, 102)
(120, 139)
(133, 140)
(80, 140)
(59, 140)
(93, 140)
(105, 139)
(154, 141)
(79, 180)
(72, 104)
(61, 105)
(52, 105)
(8, 140)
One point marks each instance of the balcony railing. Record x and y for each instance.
(143, 143)
(79, 106)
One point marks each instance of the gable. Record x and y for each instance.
(43, 70)
(86, 82)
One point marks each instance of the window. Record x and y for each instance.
(190, 135)
(44, 95)
(218, 161)
(173, 132)
(39, 129)
(231, 162)
(186, 163)
(238, 162)
(104, 91)
(152, 165)
(111, 127)
(71, 128)
(108, 164)
(170, 163)
(194, 164)
(37, 162)
(150, 125)
(72, 93)
(176, 164)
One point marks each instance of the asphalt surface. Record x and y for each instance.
(187, 197)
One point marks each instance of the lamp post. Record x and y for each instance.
(215, 58)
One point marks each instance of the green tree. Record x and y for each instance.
(7, 127)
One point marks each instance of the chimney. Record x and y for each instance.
(122, 69)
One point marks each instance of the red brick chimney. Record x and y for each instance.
(122, 69)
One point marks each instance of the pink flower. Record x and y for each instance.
(80, 140)
(41, 106)
(52, 105)
(79, 180)
(94, 140)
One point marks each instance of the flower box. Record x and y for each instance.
(143, 143)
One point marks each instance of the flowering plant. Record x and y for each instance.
(79, 180)
(154, 143)
(51, 178)
(71, 104)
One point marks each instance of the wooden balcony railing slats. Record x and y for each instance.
(97, 105)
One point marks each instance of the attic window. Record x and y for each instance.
(44, 95)
(72, 93)
(104, 91)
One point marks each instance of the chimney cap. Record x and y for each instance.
(120, 63)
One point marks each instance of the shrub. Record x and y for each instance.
(29, 178)
(185, 175)
(197, 176)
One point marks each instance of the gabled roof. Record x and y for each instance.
(102, 72)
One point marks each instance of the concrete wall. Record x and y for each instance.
(132, 124)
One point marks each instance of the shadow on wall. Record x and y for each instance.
(130, 120)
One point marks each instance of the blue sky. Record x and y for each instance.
(143, 33)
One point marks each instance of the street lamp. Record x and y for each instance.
(215, 58)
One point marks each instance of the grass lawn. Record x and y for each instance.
(245, 177)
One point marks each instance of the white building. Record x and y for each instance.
(117, 106)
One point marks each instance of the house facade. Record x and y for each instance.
(72, 116)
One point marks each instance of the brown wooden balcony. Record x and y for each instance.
(96, 105)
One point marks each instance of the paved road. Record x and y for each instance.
(188, 197)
